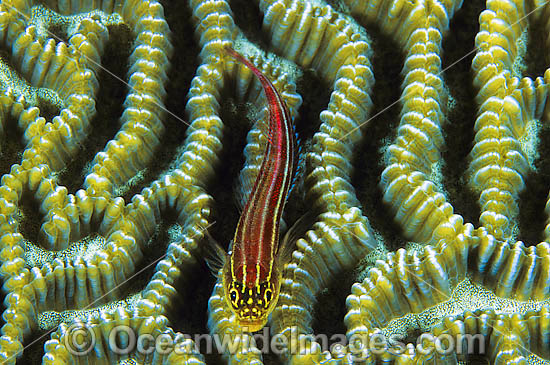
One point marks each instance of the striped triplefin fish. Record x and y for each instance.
(251, 271)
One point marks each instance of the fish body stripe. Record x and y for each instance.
(256, 238)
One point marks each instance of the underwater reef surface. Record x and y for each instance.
(128, 134)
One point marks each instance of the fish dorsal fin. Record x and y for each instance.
(247, 177)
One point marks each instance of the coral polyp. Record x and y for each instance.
(129, 138)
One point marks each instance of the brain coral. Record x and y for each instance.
(127, 135)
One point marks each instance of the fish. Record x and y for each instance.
(251, 270)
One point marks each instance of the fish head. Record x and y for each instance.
(252, 302)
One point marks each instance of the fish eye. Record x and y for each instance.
(233, 295)
(268, 296)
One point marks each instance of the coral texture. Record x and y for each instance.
(127, 134)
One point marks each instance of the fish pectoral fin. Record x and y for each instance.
(299, 166)
(239, 196)
(213, 253)
(298, 229)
